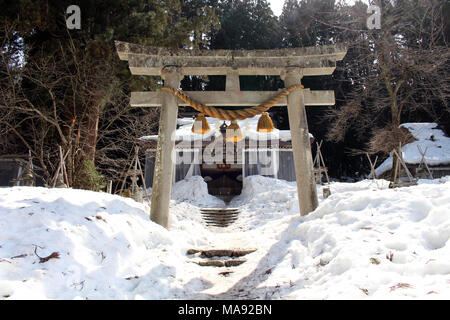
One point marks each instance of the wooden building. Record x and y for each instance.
(224, 164)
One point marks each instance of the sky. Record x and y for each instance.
(277, 6)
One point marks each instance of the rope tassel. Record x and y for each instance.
(201, 125)
(265, 123)
(233, 133)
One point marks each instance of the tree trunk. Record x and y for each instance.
(89, 147)
(395, 112)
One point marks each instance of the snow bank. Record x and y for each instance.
(364, 241)
(108, 248)
(429, 138)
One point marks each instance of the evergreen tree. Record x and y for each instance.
(307, 22)
(246, 24)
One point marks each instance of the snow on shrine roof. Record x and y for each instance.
(248, 128)
(428, 136)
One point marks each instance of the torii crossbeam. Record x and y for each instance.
(173, 64)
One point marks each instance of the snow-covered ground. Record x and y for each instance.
(363, 242)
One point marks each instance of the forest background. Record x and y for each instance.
(68, 88)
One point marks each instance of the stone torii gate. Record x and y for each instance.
(173, 64)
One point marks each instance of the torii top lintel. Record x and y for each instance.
(313, 61)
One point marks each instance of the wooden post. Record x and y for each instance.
(134, 177)
(423, 161)
(301, 146)
(141, 172)
(323, 161)
(372, 167)
(162, 181)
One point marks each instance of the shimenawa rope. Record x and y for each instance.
(232, 114)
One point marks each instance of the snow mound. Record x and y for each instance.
(108, 247)
(264, 199)
(364, 241)
(194, 190)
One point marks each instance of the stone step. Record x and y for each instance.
(218, 213)
(218, 225)
(221, 252)
(219, 218)
(220, 209)
(220, 263)
(234, 254)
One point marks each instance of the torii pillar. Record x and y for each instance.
(164, 161)
(301, 146)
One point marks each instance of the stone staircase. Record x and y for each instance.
(219, 217)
